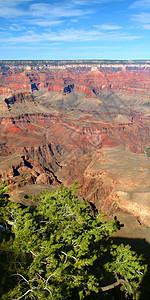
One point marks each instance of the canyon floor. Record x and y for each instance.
(79, 121)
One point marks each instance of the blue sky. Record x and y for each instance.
(75, 29)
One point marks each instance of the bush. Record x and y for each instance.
(60, 250)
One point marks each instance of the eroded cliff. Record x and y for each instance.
(78, 122)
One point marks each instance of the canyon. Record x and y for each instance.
(84, 121)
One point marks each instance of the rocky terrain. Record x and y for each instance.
(78, 121)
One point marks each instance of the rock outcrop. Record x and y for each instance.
(66, 122)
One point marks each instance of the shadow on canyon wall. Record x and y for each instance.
(141, 246)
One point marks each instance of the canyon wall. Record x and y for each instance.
(86, 122)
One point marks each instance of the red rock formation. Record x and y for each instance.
(61, 121)
(55, 88)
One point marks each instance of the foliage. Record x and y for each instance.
(60, 250)
(147, 151)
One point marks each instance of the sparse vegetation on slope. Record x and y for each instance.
(148, 151)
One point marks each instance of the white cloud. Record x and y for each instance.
(13, 2)
(146, 26)
(107, 27)
(74, 20)
(11, 9)
(11, 12)
(142, 4)
(48, 23)
(48, 10)
(141, 18)
(87, 2)
(61, 8)
(70, 35)
(17, 27)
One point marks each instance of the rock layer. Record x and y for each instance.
(67, 121)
